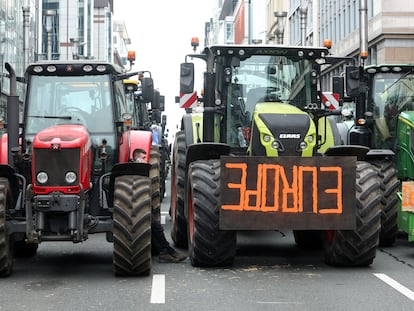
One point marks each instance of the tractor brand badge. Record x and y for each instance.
(289, 136)
(55, 146)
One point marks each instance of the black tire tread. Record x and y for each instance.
(132, 226)
(208, 245)
(179, 224)
(358, 247)
(6, 250)
(389, 185)
(155, 182)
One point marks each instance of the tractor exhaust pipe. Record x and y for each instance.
(12, 117)
(363, 31)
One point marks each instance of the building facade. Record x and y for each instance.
(310, 22)
(13, 15)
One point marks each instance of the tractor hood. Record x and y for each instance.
(58, 150)
(281, 129)
(67, 135)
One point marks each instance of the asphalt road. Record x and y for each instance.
(269, 273)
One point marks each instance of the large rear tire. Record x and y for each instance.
(388, 176)
(163, 166)
(179, 224)
(6, 247)
(207, 244)
(132, 225)
(154, 175)
(358, 247)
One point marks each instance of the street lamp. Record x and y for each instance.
(280, 28)
(49, 29)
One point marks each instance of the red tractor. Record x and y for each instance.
(66, 171)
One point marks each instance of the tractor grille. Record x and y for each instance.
(288, 129)
(56, 163)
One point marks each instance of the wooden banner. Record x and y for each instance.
(264, 193)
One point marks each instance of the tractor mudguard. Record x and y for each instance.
(132, 140)
(380, 154)
(348, 150)
(131, 168)
(203, 151)
(206, 151)
(193, 128)
(9, 173)
(127, 168)
(4, 149)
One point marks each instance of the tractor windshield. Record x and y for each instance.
(393, 92)
(69, 99)
(263, 78)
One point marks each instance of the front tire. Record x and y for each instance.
(207, 244)
(154, 175)
(358, 247)
(132, 225)
(6, 249)
(388, 177)
(179, 224)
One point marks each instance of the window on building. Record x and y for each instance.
(229, 32)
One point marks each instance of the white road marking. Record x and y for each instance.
(164, 217)
(394, 284)
(158, 288)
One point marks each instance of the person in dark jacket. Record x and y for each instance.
(159, 245)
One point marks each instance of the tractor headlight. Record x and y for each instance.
(275, 144)
(309, 139)
(70, 177)
(42, 177)
(303, 145)
(266, 138)
(38, 69)
(51, 68)
(101, 68)
(87, 68)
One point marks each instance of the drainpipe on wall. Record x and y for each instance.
(249, 27)
(363, 37)
(26, 23)
(303, 10)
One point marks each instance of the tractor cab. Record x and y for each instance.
(78, 93)
(250, 84)
(391, 92)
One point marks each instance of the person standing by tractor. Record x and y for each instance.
(139, 155)
(159, 244)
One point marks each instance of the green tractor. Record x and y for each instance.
(366, 124)
(263, 153)
(391, 97)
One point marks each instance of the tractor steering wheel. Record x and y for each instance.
(77, 115)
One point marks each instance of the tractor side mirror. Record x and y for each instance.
(147, 88)
(162, 102)
(155, 103)
(156, 116)
(352, 81)
(186, 78)
(338, 86)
